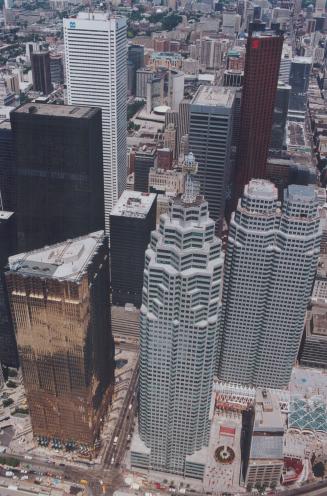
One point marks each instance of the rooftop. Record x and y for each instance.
(214, 96)
(56, 110)
(64, 261)
(133, 204)
(301, 193)
(4, 215)
(261, 189)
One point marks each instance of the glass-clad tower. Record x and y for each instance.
(179, 332)
(271, 259)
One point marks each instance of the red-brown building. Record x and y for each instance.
(263, 54)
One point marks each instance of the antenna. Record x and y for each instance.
(1, 202)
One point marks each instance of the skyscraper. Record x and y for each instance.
(144, 160)
(179, 332)
(40, 62)
(59, 298)
(58, 157)
(210, 139)
(271, 259)
(96, 71)
(7, 171)
(299, 81)
(131, 221)
(263, 53)
(280, 116)
(135, 61)
(8, 348)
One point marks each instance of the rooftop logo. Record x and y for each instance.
(72, 24)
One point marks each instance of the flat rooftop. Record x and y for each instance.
(214, 96)
(47, 109)
(133, 204)
(64, 261)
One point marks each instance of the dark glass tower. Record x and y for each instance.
(58, 155)
(8, 348)
(131, 222)
(7, 172)
(41, 72)
(263, 54)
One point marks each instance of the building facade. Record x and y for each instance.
(210, 139)
(179, 330)
(59, 299)
(59, 173)
(271, 259)
(280, 116)
(40, 62)
(263, 54)
(8, 348)
(131, 222)
(96, 73)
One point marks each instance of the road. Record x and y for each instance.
(115, 450)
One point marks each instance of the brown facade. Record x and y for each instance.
(65, 347)
(263, 54)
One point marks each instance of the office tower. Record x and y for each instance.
(313, 350)
(183, 122)
(170, 138)
(210, 138)
(135, 61)
(58, 159)
(299, 81)
(145, 158)
(179, 331)
(285, 64)
(264, 460)
(164, 158)
(175, 89)
(7, 171)
(101, 82)
(143, 75)
(280, 116)
(59, 299)
(233, 78)
(56, 68)
(136, 55)
(154, 93)
(263, 52)
(8, 348)
(131, 221)
(271, 259)
(41, 73)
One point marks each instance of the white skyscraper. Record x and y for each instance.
(96, 74)
(179, 337)
(271, 259)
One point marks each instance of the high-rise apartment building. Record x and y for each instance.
(59, 299)
(8, 348)
(210, 139)
(59, 173)
(271, 259)
(263, 53)
(40, 62)
(131, 221)
(96, 72)
(179, 332)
